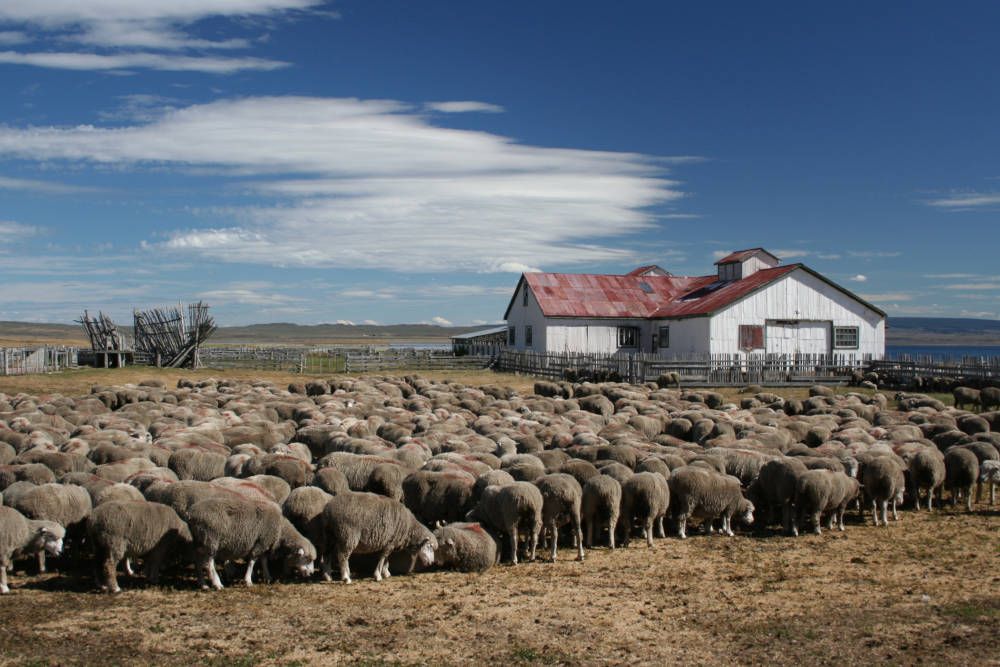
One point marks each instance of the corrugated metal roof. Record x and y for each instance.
(714, 294)
(740, 255)
(492, 331)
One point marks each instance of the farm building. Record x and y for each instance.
(751, 304)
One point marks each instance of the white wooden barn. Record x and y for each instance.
(752, 304)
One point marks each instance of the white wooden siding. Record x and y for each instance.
(687, 336)
(595, 336)
(799, 296)
(784, 337)
(530, 315)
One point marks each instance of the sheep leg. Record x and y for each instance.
(248, 576)
(885, 513)
(111, 574)
(649, 531)
(154, 561)
(993, 493)
(265, 570)
(840, 517)
(660, 530)
(875, 511)
(534, 540)
(817, 522)
(4, 588)
(968, 499)
(555, 543)
(578, 531)
(788, 520)
(41, 561)
(343, 556)
(324, 566)
(385, 568)
(682, 523)
(380, 565)
(213, 575)
(590, 534)
(895, 516)
(513, 544)
(612, 524)
(930, 500)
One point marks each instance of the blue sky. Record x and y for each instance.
(392, 161)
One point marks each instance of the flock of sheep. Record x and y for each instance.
(390, 474)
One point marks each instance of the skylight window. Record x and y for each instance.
(644, 286)
(704, 291)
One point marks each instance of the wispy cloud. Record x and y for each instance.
(151, 34)
(44, 187)
(440, 321)
(967, 200)
(12, 232)
(873, 254)
(463, 107)
(126, 61)
(884, 297)
(974, 286)
(859, 278)
(374, 184)
(792, 253)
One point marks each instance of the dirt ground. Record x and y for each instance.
(924, 590)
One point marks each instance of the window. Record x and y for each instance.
(665, 336)
(751, 337)
(512, 336)
(524, 297)
(845, 338)
(527, 336)
(628, 336)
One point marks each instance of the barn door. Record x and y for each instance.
(791, 337)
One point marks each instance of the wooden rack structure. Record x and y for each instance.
(109, 345)
(166, 338)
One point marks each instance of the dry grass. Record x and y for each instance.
(924, 590)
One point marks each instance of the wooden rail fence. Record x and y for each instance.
(45, 359)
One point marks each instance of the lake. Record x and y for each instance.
(943, 351)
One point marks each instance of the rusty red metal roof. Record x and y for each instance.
(649, 297)
(648, 269)
(740, 255)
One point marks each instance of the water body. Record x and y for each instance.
(943, 351)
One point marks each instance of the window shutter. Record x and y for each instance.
(751, 337)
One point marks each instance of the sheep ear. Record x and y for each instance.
(450, 542)
(302, 552)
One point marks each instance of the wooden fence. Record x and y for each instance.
(704, 369)
(323, 361)
(902, 370)
(45, 359)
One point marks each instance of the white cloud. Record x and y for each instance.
(980, 314)
(512, 267)
(874, 254)
(966, 200)
(440, 321)
(244, 296)
(136, 29)
(126, 61)
(887, 296)
(464, 107)
(11, 37)
(373, 184)
(370, 323)
(11, 232)
(974, 286)
(719, 254)
(859, 278)
(345, 323)
(44, 187)
(792, 254)
(828, 256)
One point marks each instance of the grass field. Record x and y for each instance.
(924, 590)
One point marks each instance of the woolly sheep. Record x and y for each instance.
(22, 536)
(927, 471)
(223, 529)
(511, 510)
(989, 397)
(368, 523)
(645, 499)
(439, 496)
(989, 473)
(965, 396)
(884, 481)
(331, 480)
(961, 474)
(67, 505)
(465, 547)
(701, 493)
(304, 508)
(197, 464)
(133, 529)
(561, 497)
(774, 489)
(600, 506)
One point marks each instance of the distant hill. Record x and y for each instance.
(942, 331)
(277, 333)
(901, 331)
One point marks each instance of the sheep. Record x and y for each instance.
(884, 481)
(561, 497)
(702, 493)
(227, 528)
(822, 491)
(367, 523)
(465, 547)
(36, 473)
(645, 498)
(20, 535)
(846, 490)
(133, 529)
(118, 491)
(508, 510)
(926, 470)
(600, 506)
(580, 469)
(374, 474)
(67, 505)
(304, 508)
(331, 480)
(670, 379)
(435, 496)
(775, 488)
(989, 473)
(989, 397)
(965, 396)
(961, 474)
(197, 464)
